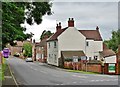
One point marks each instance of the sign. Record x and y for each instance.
(111, 68)
(75, 58)
(83, 58)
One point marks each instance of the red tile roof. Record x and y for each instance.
(89, 34)
(107, 52)
(92, 34)
(54, 36)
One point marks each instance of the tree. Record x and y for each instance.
(45, 33)
(114, 42)
(15, 13)
(27, 50)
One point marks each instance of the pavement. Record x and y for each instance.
(9, 80)
(41, 74)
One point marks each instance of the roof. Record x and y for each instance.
(43, 42)
(92, 34)
(107, 52)
(54, 36)
(89, 34)
(70, 54)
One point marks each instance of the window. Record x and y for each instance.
(49, 45)
(87, 43)
(95, 57)
(54, 44)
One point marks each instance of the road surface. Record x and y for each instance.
(35, 73)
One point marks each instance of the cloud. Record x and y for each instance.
(87, 15)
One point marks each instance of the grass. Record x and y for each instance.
(2, 69)
(78, 71)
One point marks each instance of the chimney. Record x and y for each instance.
(97, 28)
(58, 27)
(30, 40)
(71, 22)
(34, 41)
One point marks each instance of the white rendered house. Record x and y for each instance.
(71, 41)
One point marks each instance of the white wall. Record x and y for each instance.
(90, 49)
(52, 51)
(71, 39)
(94, 48)
(98, 46)
(110, 59)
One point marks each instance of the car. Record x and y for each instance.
(29, 60)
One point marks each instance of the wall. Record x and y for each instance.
(94, 48)
(90, 49)
(110, 59)
(52, 51)
(71, 39)
(15, 49)
(82, 66)
(92, 68)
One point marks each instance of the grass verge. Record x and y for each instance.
(2, 69)
(78, 71)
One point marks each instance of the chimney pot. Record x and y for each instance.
(71, 22)
(58, 27)
(97, 28)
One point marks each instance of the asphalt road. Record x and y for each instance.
(35, 73)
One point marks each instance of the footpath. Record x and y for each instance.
(9, 80)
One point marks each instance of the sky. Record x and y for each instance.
(87, 15)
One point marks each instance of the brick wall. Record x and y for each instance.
(92, 68)
(82, 66)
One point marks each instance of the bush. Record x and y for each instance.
(27, 50)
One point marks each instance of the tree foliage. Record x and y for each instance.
(16, 13)
(114, 42)
(27, 50)
(46, 33)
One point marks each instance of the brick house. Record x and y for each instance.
(40, 50)
(71, 43)
(18, 48)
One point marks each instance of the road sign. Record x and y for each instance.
(111, 68)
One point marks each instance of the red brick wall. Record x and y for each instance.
(81, 66)
(92, 68)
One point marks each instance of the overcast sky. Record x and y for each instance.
(87, 15)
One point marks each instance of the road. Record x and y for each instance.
(35, 73)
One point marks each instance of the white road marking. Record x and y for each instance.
(35, 69)
(74, 82)
(61, 84)
(43, 71)
(79, 76)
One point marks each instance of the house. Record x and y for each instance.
(70, 40)
(39, 50)
(18, 48)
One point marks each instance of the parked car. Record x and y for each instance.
(29, 59)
